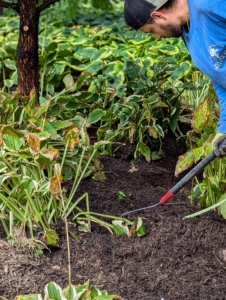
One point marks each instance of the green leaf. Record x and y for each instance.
(223, 206)
(18, 114)
(53, 292)
(105, 297)
(51, 48)
(167, 49)
(12, 141)
(96, 115)
(8, 83)
(63, 100)
(28, 297)
(49, 128)
(101, 54)
(222, 200)
(184, 162)
(144, 150)
(121, 195)
(140, 227)
(132, 69)
(120, 228)
(43, 109)
(61, 124)
(51, 238)
(2, 54)
(94, 292)
(113, 67)
(181, 71)
(83, 226)
(198, 153)
(81, 80)
(3, 167)
(70, 293)
(45, 159)
(80, 41)
(95, 67)
(10, 64)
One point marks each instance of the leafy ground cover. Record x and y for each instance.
(129, 87)
(176, 259)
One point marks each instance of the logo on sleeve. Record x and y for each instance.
(217, 55)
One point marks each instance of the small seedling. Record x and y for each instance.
(123, 196)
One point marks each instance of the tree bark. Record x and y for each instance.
(27, 49)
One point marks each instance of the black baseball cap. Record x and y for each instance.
(137, 12)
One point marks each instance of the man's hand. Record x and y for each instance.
(218, 150)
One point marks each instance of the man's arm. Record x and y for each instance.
(221, 94)
(219, 149)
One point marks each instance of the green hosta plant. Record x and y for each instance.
(211, 189)
(130, 83)
(72, 292)
(38, 152)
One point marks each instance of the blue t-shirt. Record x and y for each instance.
(206, 42)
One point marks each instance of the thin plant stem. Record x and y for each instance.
(67, 234)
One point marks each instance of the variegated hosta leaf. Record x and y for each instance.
(184, 162)
(53, 292)
(120, 227)
(202, 116)
(70, 293)
(138, 228)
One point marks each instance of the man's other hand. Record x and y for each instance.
(218, 149)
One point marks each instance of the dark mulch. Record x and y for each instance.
(177, 259)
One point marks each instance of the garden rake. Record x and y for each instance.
(176, 188)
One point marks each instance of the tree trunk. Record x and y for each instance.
(27, 49)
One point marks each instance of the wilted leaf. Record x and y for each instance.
(68, 81)
(153, 132)
(131, 132)
(33, 141)
(184, 162)
(52, 153)
(55, 186)
(73, 135)
(202, 116)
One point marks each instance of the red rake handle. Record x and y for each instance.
(195, 171)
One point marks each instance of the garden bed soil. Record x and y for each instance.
(177, 258)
